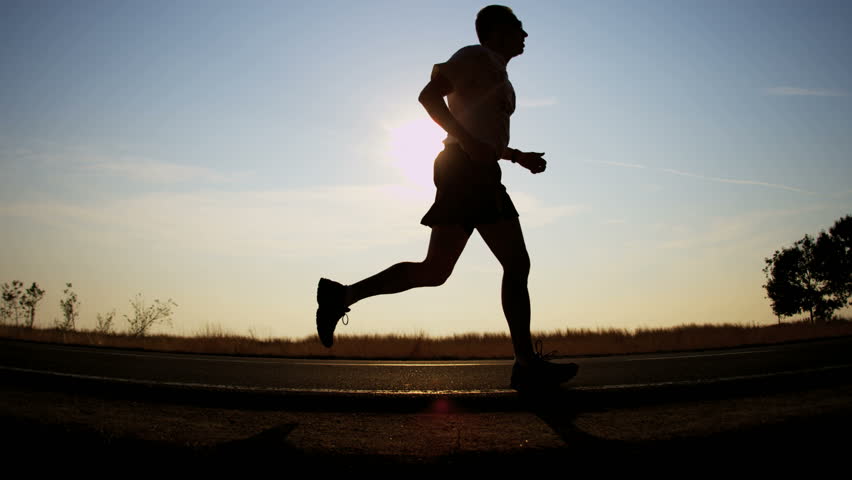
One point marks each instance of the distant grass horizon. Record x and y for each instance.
(213, 339)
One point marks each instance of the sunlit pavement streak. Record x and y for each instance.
(284, 390)
(783, 363)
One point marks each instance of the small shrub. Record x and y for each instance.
(104, 325)
(70, 310)
(144, 318)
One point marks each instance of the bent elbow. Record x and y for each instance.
(423, 98)
(435, 91)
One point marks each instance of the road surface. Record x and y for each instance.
(477, 377)
(783, 403)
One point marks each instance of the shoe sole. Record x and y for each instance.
(322, 292)
(532, 385)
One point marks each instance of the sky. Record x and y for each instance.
(229, 154)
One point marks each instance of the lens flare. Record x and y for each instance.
(412, 147)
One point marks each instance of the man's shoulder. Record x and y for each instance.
(471, 51)
(479, 55)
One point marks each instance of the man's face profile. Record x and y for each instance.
(509, 37)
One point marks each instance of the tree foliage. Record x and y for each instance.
(814, 275)
(29, 300)
(11, 308)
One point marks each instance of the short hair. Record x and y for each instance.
(491, 17)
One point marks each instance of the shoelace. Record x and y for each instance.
(539, 346)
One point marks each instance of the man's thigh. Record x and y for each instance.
(446, 244)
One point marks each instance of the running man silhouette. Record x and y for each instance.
(470, 194)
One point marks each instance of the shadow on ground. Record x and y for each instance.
(139, 426)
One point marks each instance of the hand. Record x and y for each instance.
(532, 161)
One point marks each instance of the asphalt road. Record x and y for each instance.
(489, 377)
(784, 402)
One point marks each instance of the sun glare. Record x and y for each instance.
(412, 147)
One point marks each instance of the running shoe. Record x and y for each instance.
(331, 300)
(541, 373)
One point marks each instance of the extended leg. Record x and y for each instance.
(530, 371)
(445, 245)
(506, 241)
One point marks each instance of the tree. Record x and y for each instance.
(813, 276)
(145, 317)
(28, 302)
(70, 309)
(839, 271)
(11, 307)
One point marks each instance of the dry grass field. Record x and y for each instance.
(580, 342)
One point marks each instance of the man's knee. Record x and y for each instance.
(518, 268)
(435, 273)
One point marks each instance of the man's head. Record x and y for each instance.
(499, 29)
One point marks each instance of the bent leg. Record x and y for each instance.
(506, 241)
(445, 246)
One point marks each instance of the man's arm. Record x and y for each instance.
(532, 161)
(510, 154)
(432, 99)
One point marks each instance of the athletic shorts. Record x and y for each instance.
(468, 193)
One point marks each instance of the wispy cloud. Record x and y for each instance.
(699, 176)
(296, 223)
(535, 213)
(92, 161)
(734, 181)
(753, 229)
(303, 223)
(156, 172)
(615, 164)
(806, 92)
(537, 102)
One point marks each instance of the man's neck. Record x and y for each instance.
(504, 59)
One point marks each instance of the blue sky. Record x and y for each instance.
(227, 154)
